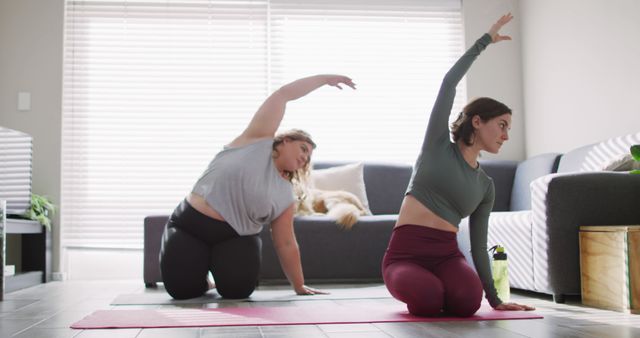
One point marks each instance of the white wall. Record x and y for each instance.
(497, 71)
(581, 66)
(571, 75)
(31, 33)
(31, 61)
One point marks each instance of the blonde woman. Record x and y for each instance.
(246, 186)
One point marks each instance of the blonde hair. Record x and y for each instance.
(300, 176)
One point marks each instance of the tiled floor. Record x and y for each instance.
(49, 309)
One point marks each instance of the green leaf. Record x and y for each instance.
(635, 152)
(41, 210)
(635, 172)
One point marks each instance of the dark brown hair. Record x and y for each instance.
(294, 135)
(486, 108)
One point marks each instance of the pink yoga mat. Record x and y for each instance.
(287, 315)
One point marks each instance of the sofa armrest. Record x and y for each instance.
(153, 229)
(560, 204)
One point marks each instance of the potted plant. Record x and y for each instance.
(635, 152)
(41, 210)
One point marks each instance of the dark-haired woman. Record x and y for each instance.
(423, 266)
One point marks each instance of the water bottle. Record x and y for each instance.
(500, 270)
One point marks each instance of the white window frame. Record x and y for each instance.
(139, 127)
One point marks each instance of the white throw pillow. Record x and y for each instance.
(622, 162)
(348, 177)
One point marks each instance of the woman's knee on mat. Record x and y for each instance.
(464, 300)
(411, 283)
(236, 290)
(235, 266)
(463, 288)
(425, 308)
(463, 310)
(237, 281)
(184, 264)
(462, 306)
(187, 290)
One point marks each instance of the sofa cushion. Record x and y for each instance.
(502, 173)
(528, 171)
(385, 182)
(591, 157)
(349, 177)
(153, 229)
(622, 162)
(332, 254)
(574, 160)
(391, 181)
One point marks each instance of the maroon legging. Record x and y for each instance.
(424, 268)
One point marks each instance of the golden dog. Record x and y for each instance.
(340, 205)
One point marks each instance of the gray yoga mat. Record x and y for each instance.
(160, 297)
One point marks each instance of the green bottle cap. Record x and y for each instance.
(499, 253)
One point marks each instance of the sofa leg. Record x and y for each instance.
(150, 285)
(558, 298)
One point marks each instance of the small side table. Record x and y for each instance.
(610, 267)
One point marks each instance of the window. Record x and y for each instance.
(153, 89)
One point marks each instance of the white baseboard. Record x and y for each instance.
(58, 276)
(103, 264)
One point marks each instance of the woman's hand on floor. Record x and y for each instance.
(306, 291)
(514, 307)
(210, 284)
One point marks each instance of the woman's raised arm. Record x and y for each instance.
(267, 119)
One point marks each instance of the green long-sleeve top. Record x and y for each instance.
(446, 184)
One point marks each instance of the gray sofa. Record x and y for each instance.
(552, 195)
(329, 254)
(540, 233)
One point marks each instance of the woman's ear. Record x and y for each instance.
(476, 121)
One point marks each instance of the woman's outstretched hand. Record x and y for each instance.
(336, 80)
(514, 307)
(306, 291)
(495, 36)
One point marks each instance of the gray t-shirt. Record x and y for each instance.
(243, 185)
(446, 184)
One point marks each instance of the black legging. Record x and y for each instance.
(194, 244)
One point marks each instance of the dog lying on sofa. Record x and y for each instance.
(340, 205)
(338, 193)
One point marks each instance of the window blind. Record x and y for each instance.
(154, 89)
(397, 52)
(16, 152)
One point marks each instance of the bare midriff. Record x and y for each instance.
(199, 203)
(415, 213)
